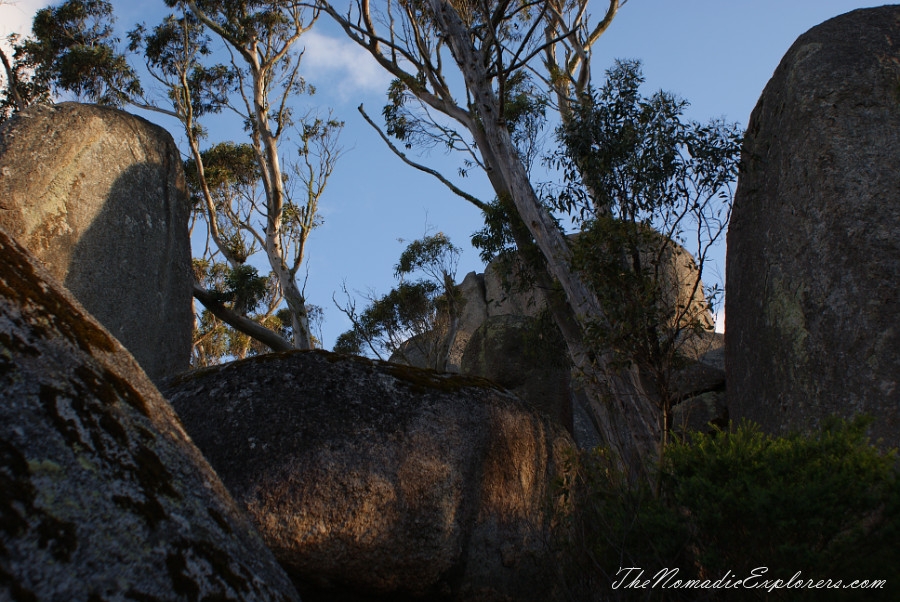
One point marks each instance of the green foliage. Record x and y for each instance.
(247, 20)
(648, 187)
(388, 321)
(434, 255)
(413, 316)
(638, 159)
(231, 174)
(496, 238)
(244, 288)
(396, 113)
(826, 504)
(173, 52)
(21, 88)
(225, 164)
(74, 50)
(241, 288)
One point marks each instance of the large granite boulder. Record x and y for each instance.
(102, 494)
(527, 356)
(813, 267)
(98, 195)
(371, 480)
(505, 335)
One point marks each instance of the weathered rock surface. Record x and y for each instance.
(527, 357)
(475, 310)
(701, 413)
(813, 267)
(102, 494)
(98, 195)
(499, 339)
(504, 295)
(382, 481)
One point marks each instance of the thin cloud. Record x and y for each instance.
(16, 15)
(341, 67)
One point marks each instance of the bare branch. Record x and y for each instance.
(453, 188)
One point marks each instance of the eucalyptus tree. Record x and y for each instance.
(643, 180)
(418, 320)
(262, 37)
(497, 49)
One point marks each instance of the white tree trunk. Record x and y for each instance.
(623, 411)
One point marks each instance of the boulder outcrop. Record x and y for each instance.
(99, 197)
(527, 357)
(504, 335)
(371, 480)
(813, 266)
(102, 494)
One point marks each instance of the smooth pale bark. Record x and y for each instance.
(12, 82)
(265, 142)
(624, 412)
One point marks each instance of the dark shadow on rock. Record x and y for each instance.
(130, 268)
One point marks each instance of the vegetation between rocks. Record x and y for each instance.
(729, 505)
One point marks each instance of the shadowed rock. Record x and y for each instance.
(375, 479)
(99, 197)
(528, 357)
(813, 267)
(102, 494)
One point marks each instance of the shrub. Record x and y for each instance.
(825, 504)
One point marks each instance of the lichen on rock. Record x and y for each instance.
(102, 494)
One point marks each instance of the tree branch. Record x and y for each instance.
(457, 191)
(239, 322)
(12, 82)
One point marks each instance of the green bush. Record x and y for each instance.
(825, 504)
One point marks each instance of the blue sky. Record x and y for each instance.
(717, 54)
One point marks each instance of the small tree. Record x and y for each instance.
(650, 189)
(417, 319)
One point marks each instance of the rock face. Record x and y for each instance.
(102, 494)
(517, 353)
(502, 337)
(371, 480)
(99, 197)
(702, 393)
(813, 316)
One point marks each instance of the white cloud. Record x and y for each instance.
(16, 15)
(341, 67)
